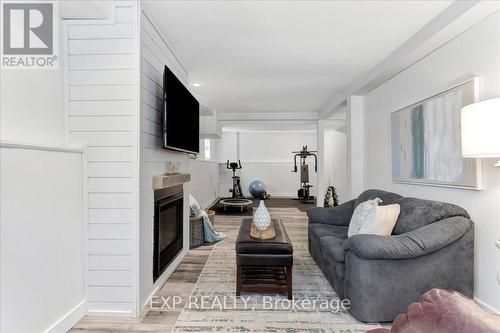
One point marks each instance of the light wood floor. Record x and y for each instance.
(180, 283)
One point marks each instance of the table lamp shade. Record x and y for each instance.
(481, 129)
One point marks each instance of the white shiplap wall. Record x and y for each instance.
(114, 74)
(155, 54)
(100, 72)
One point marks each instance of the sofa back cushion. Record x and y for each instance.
(370, 218)
(386, 197)
(416, 213)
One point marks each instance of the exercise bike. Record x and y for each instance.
(303, 193)
(237, 200)
(236, 190)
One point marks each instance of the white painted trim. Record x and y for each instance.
(139, 120)
(66, 110)
(34, 146)
(70, 319)
(85, 224)
(210, 203)
(487, 307)
(99, 313)
(288, 196)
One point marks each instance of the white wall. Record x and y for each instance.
(205, 174)
(102, 113)
(355, 145)
(31, 104)
(42, 240)
(332, 154)
(334, 163)
(155, 54)
(266, 156)
(475, 52)
(204, 181)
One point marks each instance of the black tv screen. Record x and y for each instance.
(181, 118)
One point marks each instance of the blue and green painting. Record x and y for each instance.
(426, 145)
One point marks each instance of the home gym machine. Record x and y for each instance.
(303, 193)
(236, 201)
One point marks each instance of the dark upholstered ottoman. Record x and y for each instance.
(264, 265)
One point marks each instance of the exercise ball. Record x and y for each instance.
(257, 188)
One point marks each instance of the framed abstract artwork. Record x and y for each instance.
(426, 145)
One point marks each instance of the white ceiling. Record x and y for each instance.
(283, 56)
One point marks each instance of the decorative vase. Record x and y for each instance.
(262, 218)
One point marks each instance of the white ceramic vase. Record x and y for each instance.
(262, 218)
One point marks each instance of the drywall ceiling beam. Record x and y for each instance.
(258, 116)
(207, 110)
(269, 126)
(451, 22)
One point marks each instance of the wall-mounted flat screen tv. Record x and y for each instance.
(181, 118)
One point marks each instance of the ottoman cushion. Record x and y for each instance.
(270, 252)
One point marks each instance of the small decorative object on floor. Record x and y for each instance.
(262, 218)
(331, 197)
(265, 196)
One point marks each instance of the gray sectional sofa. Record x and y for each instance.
(432, 246)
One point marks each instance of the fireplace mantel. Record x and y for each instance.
(164, 181)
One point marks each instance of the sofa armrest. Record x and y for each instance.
(412, 244)
(339, 215)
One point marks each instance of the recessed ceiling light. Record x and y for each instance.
(197, 84)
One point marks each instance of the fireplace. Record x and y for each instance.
(168, 233)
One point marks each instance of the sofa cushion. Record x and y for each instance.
(338, 215)
(386, 197)
(334, 253)
(318, 230)
(417, 213)
(370, 218)
(333, 247)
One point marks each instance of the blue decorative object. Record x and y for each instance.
(209, 233)
(257, 188)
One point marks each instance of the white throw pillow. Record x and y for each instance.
(195, 206)
(370, 218)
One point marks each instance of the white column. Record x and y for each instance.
(332, 157)
(355, 146)
(321, 182)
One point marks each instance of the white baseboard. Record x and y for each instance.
(487, 307)
(210, 203)
(162, 279)
(105, 313)
(70, 319)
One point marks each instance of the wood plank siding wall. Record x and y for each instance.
(101, 112)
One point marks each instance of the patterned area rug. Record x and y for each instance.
(214, 308)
